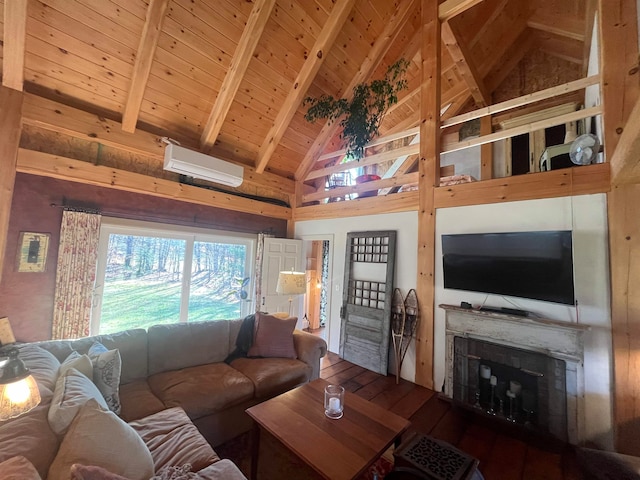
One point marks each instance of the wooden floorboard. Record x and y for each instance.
(504, 451)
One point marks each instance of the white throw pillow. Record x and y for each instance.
(82, 363)
(72, 391)
(99, 437)
(107, 366)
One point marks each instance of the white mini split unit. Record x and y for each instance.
(198, 165)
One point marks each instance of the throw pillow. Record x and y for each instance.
(107, 366)
(273, 337)
(91, 472)
(82, 363)
(73, 389)
(99, 437)
(170, 472)
(18, 468)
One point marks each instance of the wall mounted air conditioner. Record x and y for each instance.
(198, 165)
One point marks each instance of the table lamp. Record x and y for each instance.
(291, 283)
(19, 391)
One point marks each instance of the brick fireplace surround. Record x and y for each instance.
(561, 342)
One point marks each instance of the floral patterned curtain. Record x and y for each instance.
(259, 258)
(76, 273)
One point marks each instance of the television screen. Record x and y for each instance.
(536, 265)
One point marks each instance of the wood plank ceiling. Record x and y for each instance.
(228, 76)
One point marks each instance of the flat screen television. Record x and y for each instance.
(536, 265)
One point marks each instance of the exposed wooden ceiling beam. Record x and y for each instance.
(450, 8)
(244, 51)
(54, 116)
(303, 80)
(15, 26)
(54, 166)
(144, 59)
(565, 25)
(464, 61)
(380, 47)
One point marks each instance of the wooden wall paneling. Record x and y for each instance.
(450, 8)
(624, 247)
(44, 164)
(398, 202)
(246, 46)
(429, 170)
(620, 91)
(10, 125)
(588, 179)
(144, 59)
(15, 23)
(371, 61)
(564, 48)
(474, 22)
(509, 59)
(562, 25)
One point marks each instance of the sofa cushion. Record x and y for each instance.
(44, 368)
(272, 376)
(91, 472)
(18, 468)
(73, 389)
(173, 440)
(137, 401)
(132, 345)
(224, 469)
(208, 342)
(82, 363)
(201, 390)
(98, 437)
(107, 366)
(30, 436)
(273, 337)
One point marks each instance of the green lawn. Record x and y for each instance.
(140, 304)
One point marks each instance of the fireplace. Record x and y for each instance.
(529, 388)
(521, 369)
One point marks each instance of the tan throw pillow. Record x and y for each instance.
(100, 438)
(18, 468)
(273, 337)
(82, 363)
(107, 366)
(73, 389)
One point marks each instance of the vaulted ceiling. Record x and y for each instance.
(229, 76)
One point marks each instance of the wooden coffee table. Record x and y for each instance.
(335, 449)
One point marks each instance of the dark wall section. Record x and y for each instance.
(27, 298)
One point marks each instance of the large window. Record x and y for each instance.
(152, 273)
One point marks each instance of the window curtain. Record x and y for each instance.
(76, 274)
(259, 259)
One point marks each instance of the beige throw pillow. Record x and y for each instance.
(107, 366)
(82, 363)
(99, 437)
(73, 389)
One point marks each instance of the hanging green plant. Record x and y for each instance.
(363, 114)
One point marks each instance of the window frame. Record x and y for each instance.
(120, 226)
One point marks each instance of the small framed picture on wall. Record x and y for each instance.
(32, 251)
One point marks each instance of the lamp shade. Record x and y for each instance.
(291, 283)
(19, 391)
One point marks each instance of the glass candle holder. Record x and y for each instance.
(333, 401)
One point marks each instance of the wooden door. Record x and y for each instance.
(366, 299)
(279, 254)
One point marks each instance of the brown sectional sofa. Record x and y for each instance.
(173, 378)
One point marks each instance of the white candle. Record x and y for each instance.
(485, 371)
(515, 387)
(334, 404)
(493, 380)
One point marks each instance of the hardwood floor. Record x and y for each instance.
(505, 452)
